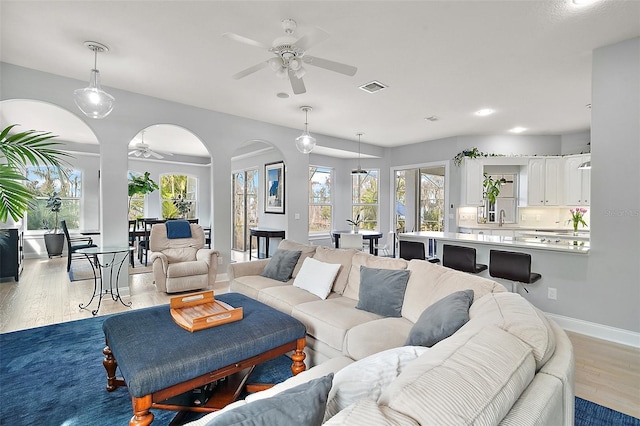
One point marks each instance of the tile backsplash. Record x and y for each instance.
(529, 217)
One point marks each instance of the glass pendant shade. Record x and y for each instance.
(92, 100)
(305, 142)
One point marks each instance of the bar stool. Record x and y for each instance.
(461, 258)
(512, 266)
(415, 250)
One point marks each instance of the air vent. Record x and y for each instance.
(373, 87)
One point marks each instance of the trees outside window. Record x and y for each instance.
(44, 181)
(320, 200)
(364, 198)
(177, 190)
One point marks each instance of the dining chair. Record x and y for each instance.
(143, 243)
(354, 241)
(74, 244)
(132, 239)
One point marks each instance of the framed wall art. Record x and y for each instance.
(274, 188)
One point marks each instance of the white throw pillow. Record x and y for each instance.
(368, 377)
(316, 277)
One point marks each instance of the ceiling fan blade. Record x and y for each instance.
(312, 38)
(133, 152)
(330, 65)
(250, 70)
(155, 154)
(245, 40)
(296, 83)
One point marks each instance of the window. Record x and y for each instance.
(179, 196)
(364, 198)
(43, 181)
(320, 200)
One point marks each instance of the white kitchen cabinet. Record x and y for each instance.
(577, 183)
(472, 176)
(544, 181)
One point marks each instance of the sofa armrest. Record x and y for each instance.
(243, 269)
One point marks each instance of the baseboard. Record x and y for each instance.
(599, 331)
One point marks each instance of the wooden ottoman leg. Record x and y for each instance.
(141, 414)
(110, 364)
(298, 357)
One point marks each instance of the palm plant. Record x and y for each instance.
(16, 152)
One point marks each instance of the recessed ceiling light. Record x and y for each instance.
(582, 2)
(484, 112)
(518, 129)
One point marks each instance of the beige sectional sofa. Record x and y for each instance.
(507, 365)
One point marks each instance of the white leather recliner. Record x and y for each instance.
(181, 264)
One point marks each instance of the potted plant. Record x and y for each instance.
(140, 185)
(54, 241)
(491, 188)
(182, 205)
(355, 223)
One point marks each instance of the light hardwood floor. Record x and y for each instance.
(606, 373)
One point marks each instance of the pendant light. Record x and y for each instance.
(585, 166)
(92, 100)
(359, 170)
(305, 142)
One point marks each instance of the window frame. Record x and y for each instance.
(193, 211)
(359, 205)
(330, 204)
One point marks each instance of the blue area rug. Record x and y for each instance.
(53, 375)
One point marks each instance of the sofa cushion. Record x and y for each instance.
(376, 336)
(469, 378)
(305, 249)
(429, 283)
(352, 289)
(186, 269)
(329, 320)
(382, 290)
(341, 256)
(512, 313)
(281, 265)
(251, 285)
(367, 413)
(316, 277)
(310, 402)
(366, 378)
(285, 297)
(441, 319)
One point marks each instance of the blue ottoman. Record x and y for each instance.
(158, 359)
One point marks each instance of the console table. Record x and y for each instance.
(267, 234)
(108, 263)
(11, 252)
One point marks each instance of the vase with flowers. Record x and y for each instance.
(577, 218)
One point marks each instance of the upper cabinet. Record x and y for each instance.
(545, 181)
(472, 182)
(577, 182)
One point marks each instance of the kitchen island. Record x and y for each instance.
(563, 266)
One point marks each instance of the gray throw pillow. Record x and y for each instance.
(301, 405)
(382, 290)
(281, 265)
(441, 319)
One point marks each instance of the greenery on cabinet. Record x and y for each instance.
(471, 153)
(140, 186)
(18, 151)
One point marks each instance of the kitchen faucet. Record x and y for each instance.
(501, 217)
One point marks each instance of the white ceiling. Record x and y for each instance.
(528, 60)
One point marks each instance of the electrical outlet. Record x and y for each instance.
(552, 293)
(537, 218)
(219, 260)
(523, 217)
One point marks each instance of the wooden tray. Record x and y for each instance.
(198, 311)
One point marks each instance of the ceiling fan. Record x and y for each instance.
(291, 56)
(142, 149)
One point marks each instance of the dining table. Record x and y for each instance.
(367, 234)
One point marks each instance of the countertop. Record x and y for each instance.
(528, 242)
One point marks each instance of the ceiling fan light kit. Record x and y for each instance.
(291, 56)
(142, 149)
(92, 100)
(359, 171)
(305, 142)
